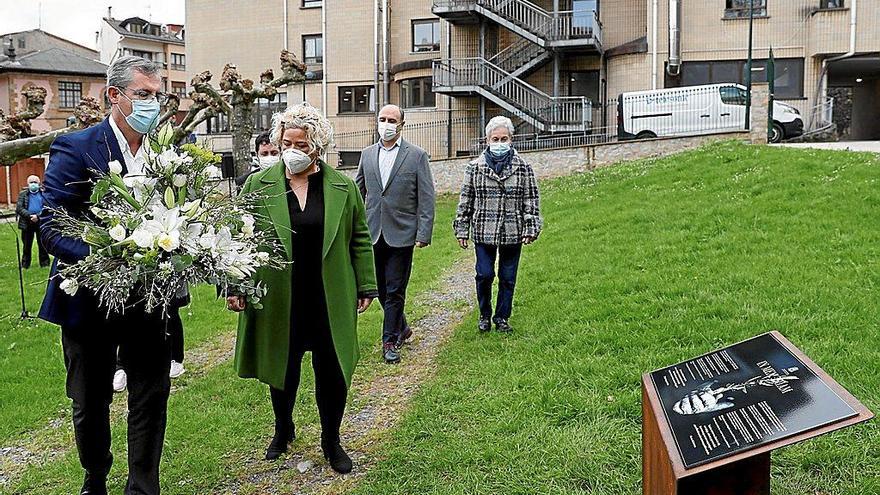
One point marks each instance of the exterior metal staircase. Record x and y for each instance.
(500, 78)
(469, 76)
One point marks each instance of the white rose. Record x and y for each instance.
(169, 241)
(115, 167)
(247, 230)
(262, 257)
(69, 286)
(179, 180)
(143, 238)
(213, 172)
(117, 233)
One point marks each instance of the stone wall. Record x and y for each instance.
(448, 174)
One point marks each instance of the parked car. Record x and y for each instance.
(696, 110)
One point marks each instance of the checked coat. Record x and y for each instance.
(498, 209)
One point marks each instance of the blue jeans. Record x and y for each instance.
(508, 263)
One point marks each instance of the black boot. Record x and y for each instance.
(278, 445)
(338, 459)
(94, 485)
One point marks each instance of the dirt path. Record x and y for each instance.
(50, 442)
(375, 406)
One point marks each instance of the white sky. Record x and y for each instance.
(77, 20)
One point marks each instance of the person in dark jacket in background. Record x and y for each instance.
(27, 209)
(267, 155)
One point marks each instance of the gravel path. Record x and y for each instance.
(374, 407)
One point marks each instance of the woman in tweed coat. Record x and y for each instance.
(499, 208)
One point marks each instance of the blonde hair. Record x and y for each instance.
(319, 132)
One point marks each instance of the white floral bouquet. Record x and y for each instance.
(152, 235)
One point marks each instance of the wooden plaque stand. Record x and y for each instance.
(745, 473)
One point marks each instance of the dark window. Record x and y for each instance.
(788, 80)
(69, 94)
(354, 99)
(142, 54)
(178, 61)
(313, 49)
(831, 4)
(349, 159)
(417, 93)
(584, 83)
(738, 9)
(136, 28)
(426, 35)
(733, 95)
(265, 109)
(21, 42)
(312, 3)
(178, 88)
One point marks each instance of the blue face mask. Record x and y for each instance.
(33, 187)
(144, 114)
(499, 149)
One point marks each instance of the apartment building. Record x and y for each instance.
(162, 43)
(555, 66)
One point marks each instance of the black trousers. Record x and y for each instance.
(330, 392)
(90, 359)
(27, 238)
(393, 268)
(174, 329)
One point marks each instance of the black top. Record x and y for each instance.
(309, 324)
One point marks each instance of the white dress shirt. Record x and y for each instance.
(134, 163)
(387, 156)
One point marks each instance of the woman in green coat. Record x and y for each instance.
(312, 304)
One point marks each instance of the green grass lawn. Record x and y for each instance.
(641, 265)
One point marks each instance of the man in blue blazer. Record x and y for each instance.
(90, 336)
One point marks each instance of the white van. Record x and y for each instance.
(696, 110)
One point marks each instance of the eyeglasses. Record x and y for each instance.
(144, 95)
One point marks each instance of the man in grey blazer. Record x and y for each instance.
(395, 179)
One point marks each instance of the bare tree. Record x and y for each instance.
(235, 99)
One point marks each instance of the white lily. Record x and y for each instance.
(69, 286)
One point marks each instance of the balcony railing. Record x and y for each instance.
(547, 26)
(549, 111)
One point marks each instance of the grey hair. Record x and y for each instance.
(303, 116)
(396, 107)
(498, 122)
(120, 73)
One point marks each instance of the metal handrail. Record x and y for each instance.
(516, 55)
(477, 71)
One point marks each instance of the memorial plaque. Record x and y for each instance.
(742, 397)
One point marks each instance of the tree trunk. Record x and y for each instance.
(242, 127)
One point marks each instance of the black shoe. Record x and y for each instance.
(279, 442)
(484, 325)
(338, 459)
(404, 337)
(502, 326)
(390, 353)
(93, 485)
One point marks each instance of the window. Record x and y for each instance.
(313, 49)
(69, 94)
(265, 109)
(178, 61)
(178, 88)
(349, 159)
(21, 43)
(142, 54)
(788, 78)
(831, 4)
(739, 9)
(312, 3)
(426, 35)
(733, 95)
(416, 93)
(355, 99)
(136, 28)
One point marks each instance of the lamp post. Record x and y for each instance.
(749, 67)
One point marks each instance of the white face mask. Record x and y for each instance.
(387, 130)
(267, 161)
(499, 149)
(295, 160)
